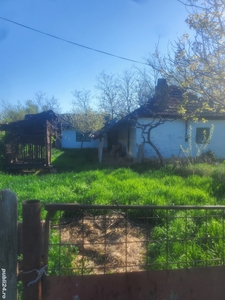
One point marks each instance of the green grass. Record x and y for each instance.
(61, 257)
(81, 179)
(188, 242)
(86, 181)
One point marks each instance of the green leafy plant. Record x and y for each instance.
(187, 241)
(61, 257)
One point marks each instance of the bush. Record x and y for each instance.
(208, 157)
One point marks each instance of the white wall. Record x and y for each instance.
(171, 135)
(69, 140)
(217, 142)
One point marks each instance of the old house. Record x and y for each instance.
(72, 138)
(175, 135)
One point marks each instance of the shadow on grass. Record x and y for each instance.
(75, 160)
(79, 160)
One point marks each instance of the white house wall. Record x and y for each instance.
(69, 141)
(170, 136)
(217, 141)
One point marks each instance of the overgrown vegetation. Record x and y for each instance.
(81, 179)
(188, 239)
(61, 258)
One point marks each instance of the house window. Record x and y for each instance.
(81, 138)
(202, 135)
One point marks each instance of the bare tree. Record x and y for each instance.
(107, 85)
(145, 86)
(82, 100)
(127, 92)
(45, 103)
(120, 94)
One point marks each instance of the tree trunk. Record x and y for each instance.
(157, 152)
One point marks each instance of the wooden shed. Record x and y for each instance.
(28, 142)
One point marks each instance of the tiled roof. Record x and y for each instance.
(170, 106)
(166, 105)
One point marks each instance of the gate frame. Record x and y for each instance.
(211, 277)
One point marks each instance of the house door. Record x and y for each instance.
(112, 138)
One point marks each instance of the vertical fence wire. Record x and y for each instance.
(167, 238)
(82, 258)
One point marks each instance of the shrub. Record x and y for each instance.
(208, 157)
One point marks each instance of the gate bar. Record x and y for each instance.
(75, 206)
(31, 249)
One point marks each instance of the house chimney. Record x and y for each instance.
(161, 90)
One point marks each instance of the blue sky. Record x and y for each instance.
(32, 62)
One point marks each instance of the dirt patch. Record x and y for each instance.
(107, 244)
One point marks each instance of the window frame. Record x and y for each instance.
(200, 139)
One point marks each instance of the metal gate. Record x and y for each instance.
(123, 252)
(116, 252)
(112, 252)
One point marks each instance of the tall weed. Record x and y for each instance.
(91, 183)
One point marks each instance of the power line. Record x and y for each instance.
(73, 43)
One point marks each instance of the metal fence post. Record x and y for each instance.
(8, 245)
(31, 249)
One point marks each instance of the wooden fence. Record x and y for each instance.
(8, 245)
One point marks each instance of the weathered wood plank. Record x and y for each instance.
(31, 249)
(8, 245)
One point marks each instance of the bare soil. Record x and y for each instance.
(107, 244)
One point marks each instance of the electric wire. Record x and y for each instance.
(73, 43)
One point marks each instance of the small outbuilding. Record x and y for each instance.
(28, 142)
